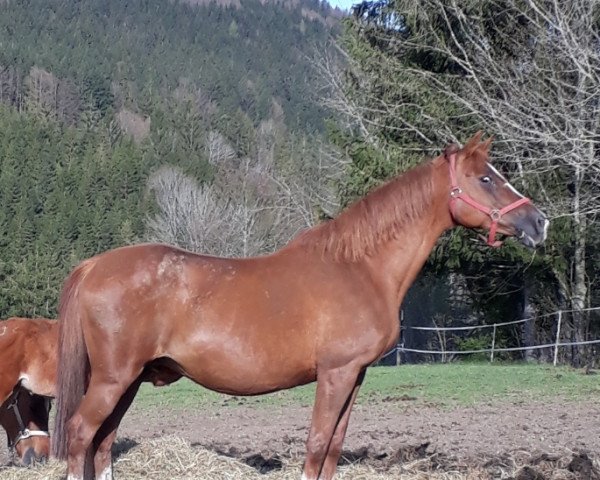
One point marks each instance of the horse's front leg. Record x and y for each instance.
(337, 441)
(335, 392)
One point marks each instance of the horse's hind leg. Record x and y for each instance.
(337, 441)
(335, 388)
(103, 394)
(104, 439)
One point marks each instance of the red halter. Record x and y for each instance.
(495, 214)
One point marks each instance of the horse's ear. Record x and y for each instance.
(473, 142)
(486, 145)
(450, 150)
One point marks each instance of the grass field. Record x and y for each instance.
(444, 385)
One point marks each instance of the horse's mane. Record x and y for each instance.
(374, 219)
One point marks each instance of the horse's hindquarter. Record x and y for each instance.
(40, 374)
(242, 326)
(11, 357)
(28, 355)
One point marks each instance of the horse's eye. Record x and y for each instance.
(485, 179)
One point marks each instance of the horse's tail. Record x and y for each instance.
(72, 361)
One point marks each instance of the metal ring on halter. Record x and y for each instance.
(495, 215)
(455, 192)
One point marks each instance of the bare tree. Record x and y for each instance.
(218, 149)
(527, 71)
(250, 208)
(49, 96)
(42, 92)
(189, 215)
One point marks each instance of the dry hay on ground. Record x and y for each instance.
(174, 458)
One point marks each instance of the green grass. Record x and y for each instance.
(445, 385)
(473, 383)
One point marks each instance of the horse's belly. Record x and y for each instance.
(243, 352)
(240, 375)
(256, 384)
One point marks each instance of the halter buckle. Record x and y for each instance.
(495, 215)
(455, 192)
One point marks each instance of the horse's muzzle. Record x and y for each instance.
(31, 457)
(532, 229)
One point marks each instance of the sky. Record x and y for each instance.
(343, 4)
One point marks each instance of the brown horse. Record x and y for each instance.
(322, 308)
(27, 381)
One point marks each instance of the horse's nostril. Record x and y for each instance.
(541, 224)
(29, 457)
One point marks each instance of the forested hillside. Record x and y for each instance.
(65, 194)
(109, 54)
(110, 110)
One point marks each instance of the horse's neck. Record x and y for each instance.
(399, 261)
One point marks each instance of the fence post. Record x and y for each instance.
(493, 344)
(400, 341)
(557, 343)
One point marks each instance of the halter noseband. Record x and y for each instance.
(24, 433)
(456, 193)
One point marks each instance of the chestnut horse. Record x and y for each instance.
(323, 308)
(27, 382)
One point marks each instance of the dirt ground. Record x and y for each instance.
(392, 430)
(388, 429)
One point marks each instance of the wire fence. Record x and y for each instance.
(494, 349)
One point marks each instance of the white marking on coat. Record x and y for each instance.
(506, 182)
(106, 474)
(26, 381)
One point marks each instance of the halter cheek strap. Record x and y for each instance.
(24, 432)
(456, 193)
